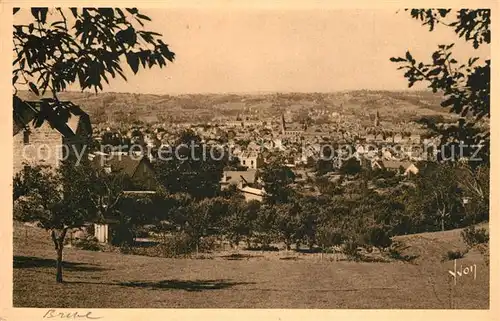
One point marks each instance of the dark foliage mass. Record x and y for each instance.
(354, 216)
(192, 167)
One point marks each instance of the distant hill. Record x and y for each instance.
(392, 105)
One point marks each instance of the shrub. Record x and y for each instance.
(262, 241)
(121, 234)
(473, 236)
(89, 244)
(126, 249)
(265, 248)
(453, 255)
(174, 245)
(485, 251)
(177, 244)
(396, 250)
(155, 251)
(141, 232)
(378, 237)
(328, 236)
(350, 249)
(208, 244)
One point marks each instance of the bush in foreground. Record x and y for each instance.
(453, 255)
(473, 236)
(89, 244)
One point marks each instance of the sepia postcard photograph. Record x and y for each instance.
(250, 157)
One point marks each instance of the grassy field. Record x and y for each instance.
(256, 280)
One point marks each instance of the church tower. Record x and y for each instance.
(377, 120)
(283, 127)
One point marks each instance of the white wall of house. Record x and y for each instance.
(252, 197)
(101, 232)
(38, 146)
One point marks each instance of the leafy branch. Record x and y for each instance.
(465, 86)
(83, 46)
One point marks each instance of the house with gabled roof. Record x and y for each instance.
(248, 177)
(138, 168)
(247, 182)
(251, 159)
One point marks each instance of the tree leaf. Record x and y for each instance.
(409, 56)
(74, 11)
(397, 59)
(120, 12)
(33, 88)
(106, 11)
(443, 12)
(127, 36)
(133, 61)
(40, 14)
(34, 13)
(473, 60)
(143, 17)
(434, 72)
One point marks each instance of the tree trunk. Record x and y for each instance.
(442, 219)
(59, 245)
(59, 276)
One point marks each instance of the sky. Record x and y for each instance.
(239, 50)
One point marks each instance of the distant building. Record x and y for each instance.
(142, 181)
(234, 123)
(370, 138)
(236, 177)
(253, 147)
(252, 194)
(415, 139)
(251, 160)
(137, 168)
(398, 138)
(253, 123)
(386, 154)
(245, 182)
(291, 131)
(405, 168)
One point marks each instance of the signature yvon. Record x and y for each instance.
(467, 270)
